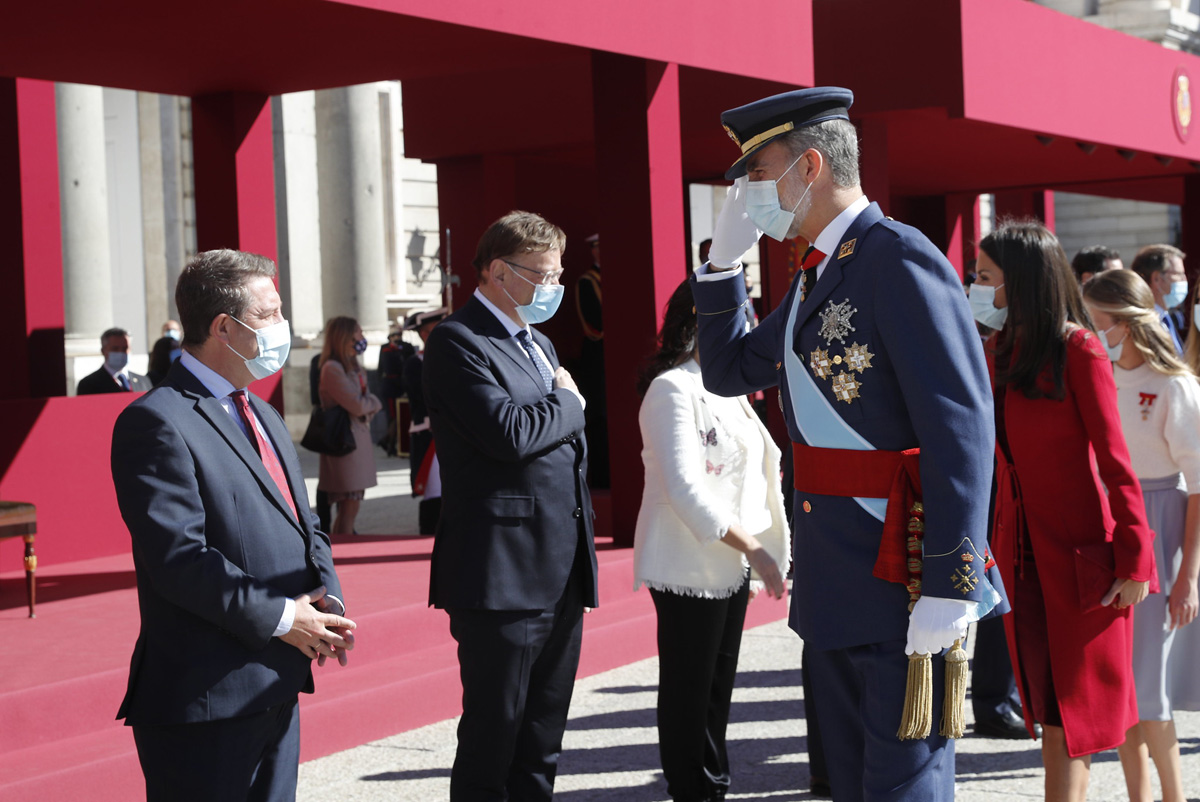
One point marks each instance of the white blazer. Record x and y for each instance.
(695, 474)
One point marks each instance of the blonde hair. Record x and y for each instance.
(1191, 348)
(1126, 298)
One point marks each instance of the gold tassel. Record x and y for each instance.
(917, 720)
(953, 721)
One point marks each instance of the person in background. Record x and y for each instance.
(710, 533)
(114, 376)
(173, 330)
(392, 356)
(590, 308)
(1070, 535)
(162, 356)
(419, 432)
(1161, 267)
(322, 508)
(1094, 260)
(344, 383)
(1159, 400)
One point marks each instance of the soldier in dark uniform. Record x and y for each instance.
(420, 435)
(888, 406)
(392, 356)
(589, 305)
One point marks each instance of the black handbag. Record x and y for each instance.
(329, 432)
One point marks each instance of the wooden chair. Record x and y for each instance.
(18, 519)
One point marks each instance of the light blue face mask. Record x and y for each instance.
(544, 304)
(1177, 295)
(1114, 351)
(983, 307)
(274, 345)
(764, 210)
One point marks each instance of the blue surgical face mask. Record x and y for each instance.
(764, 210)
(173, 334)
(1114, 351)
(274, 345)
(1176, 296)
(983, 306)
(360, 345)
(116, 361)
(545, 301)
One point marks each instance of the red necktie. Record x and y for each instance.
(808, 278)
(270, 461)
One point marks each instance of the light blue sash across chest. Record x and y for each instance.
(817, 420)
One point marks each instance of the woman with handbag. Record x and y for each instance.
(344, 383)
(1070, 536)
(711, 526)
(1159, 399)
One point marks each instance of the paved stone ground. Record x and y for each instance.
(610, 752)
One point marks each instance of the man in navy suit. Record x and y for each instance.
(514, 564)
(236, 586)
(876, 355)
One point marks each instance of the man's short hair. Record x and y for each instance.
(836, 141)
(1093, 259)
(215, 283)
(113, 332)
(1154, 259)
(516, 233)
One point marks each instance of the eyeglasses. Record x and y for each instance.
(548, 278)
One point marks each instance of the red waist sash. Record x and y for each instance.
(894, 475)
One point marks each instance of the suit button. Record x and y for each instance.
(807, 507)
(577, 513)
(778, 365)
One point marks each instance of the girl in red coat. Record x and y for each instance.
(1073, 557)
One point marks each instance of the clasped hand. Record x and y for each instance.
(1125, 593)
(317, 633)
(934, 624)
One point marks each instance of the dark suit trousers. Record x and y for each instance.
(993, 686)
(518, 671)
(698, 644)
(252, 758)
(860, 701)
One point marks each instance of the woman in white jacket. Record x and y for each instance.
(711, 525)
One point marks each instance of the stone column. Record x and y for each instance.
(83, 189)
(349, 170)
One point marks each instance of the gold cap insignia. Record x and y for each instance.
(847, 248)
(732, 135)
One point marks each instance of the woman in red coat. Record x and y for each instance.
(1073, 557)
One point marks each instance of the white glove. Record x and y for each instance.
(734, 233)
(934, 624)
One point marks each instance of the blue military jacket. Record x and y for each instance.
(893, 362)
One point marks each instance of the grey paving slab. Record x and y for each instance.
(610, 751)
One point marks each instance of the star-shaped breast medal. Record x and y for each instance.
(835, 322)
(845, 387)
(858, 357)
(820, 364)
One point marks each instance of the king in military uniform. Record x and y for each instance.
(885, 391)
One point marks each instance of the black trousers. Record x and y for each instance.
(698, 644)
(993, 686)
(252, 758)
(418, 444)
(518, 672)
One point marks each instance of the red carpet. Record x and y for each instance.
(61, 688)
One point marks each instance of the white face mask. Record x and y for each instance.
(274, 345)
(983, 307)
(1176, 296)
(764, 210)
(1114, 351)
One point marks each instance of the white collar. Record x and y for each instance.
(828, 240)
(511, 327)
(218, 385)
(115, 373)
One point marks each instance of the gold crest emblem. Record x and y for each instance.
(845, 387)
(820, 364)
(732, 135)
(847, 248)
(964, 579)
(858, 357)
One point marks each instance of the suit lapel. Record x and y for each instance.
(504, 342)
(839, 261)
(212, 411)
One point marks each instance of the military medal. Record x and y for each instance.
(845, 387)
(820, 364)
(835, 322)
(858, 357)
